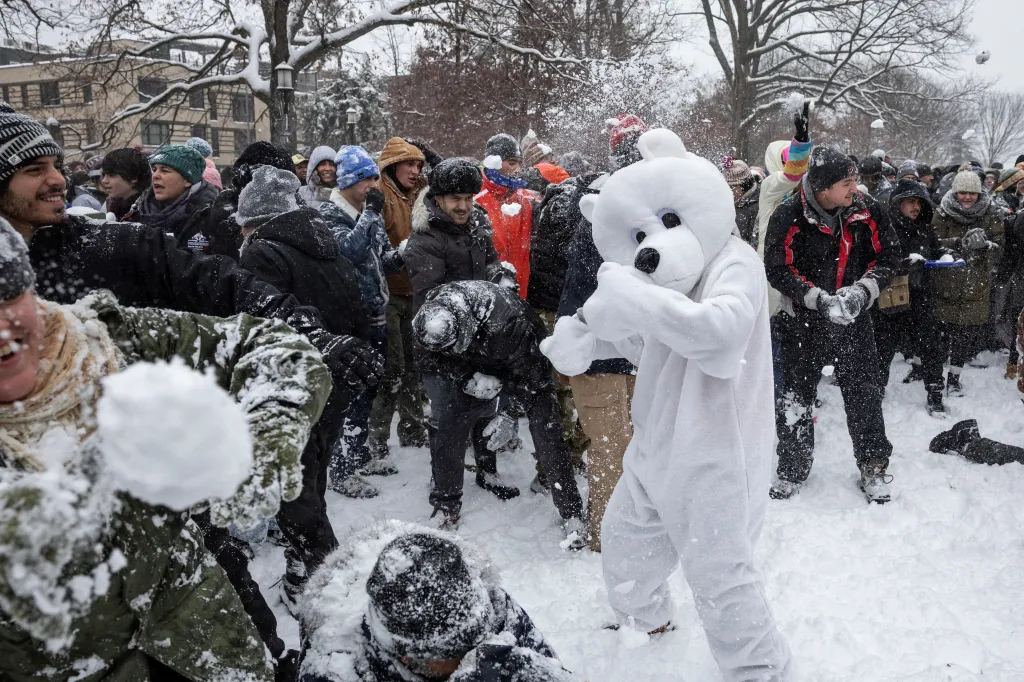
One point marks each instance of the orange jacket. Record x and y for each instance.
(511, 226)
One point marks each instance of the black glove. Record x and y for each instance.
(432, 157)
(354, 365)
(374, 201)
(801, 124)
(286, 668)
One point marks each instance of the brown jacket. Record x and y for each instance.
(398, 205)
(962, 294)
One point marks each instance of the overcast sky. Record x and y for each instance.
(998, 27)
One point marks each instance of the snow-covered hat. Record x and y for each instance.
(967, 180)
(259, 153)
(879, 153)
(908, 167)
(23, 139)
(354, 165)
(16, 273)
(574, 163)
(504, 146)
(736, 172)
(828, 166)
(455, 176)
(533, 151)
(270, 193)
(200, 145)
(435, 326)
(425, 602)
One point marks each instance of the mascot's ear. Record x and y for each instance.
(587, 204)
(661, 142)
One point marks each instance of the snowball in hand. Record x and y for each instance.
(171, 436)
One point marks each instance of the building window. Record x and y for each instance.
(149, 88)
(87, 94)
(215, 141)
(243, 109)
(199, 130)
(195, 99)
(155, 133)
(49, 94)
(213, 106)
(243, 138)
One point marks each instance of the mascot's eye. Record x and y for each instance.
(639, 236)
(670, 219)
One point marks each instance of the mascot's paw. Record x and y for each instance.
(571, 347)
(611, 311)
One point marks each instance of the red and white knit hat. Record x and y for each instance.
(623, 125)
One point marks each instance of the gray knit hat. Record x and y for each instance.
(504, 146)
(16, 273)
(270, 193)
(23, 139)
(967, 181)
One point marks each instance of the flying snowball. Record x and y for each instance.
(511, 209)
(493, 162)
(171, 436)
(968, 134)
(982, 57)
(878, 124)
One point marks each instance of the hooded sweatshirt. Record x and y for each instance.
(398, 203)
(313, 193)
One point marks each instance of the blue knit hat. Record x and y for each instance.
(354, 164)
(200, 145)
(185, 160)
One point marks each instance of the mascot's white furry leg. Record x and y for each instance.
(707, 520)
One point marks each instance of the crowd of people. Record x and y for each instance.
(398, 280)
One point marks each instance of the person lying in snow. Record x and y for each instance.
(404, 603)
(475, 340)
(133, 594)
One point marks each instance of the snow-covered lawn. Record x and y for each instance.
(928, 588)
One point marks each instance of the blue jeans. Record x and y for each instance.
(349, 453)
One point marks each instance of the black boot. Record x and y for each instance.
(935, 406)
(916, 374)
(957, 438)
(492, 483)
(953, 387)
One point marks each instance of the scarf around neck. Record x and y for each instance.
(76, 354)
(965, 216)
(148, 210)
(503, 180)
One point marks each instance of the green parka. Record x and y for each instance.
(100, 586)
(962, 294)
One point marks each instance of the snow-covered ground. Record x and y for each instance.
(925, 589)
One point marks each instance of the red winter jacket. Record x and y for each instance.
(511, 226)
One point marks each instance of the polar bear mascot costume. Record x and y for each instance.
(683, 298)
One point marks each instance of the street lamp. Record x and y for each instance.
(352, 116)
(286, 91)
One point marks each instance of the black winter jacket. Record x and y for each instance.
(584, 260)
(144, 268)
(746, 216)
(557, 218)
(439, 251)
(499, 334)
(213, 230)
(297, 254)
(172, 219)
(801, 254)
(914, 237)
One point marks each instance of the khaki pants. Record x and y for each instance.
(602, 402)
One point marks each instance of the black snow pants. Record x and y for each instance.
(987, 451)
(963, 341)
(457, 418)
(916, 330)
(808, 344)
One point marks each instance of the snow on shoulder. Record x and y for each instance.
(158, 425)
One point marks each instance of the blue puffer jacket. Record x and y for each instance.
(364, 242)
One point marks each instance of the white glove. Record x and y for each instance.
(844, 307)
(500, 431)
(483, 387)
(571, 347)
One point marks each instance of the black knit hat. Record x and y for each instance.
(16, 273)
(260, 153)
(455, 176)
(505, 146)
(829, 166)
(130, 164)
(23, 139)
(871, 165)
(924, 169)
(425, 603)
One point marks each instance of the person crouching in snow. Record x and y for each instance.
(404, 603)
(167, 611)
(477, 340)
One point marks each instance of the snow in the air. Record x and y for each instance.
(923, 589)
(968, 134)
(982, 57)
(493, 162)
(878, 124)
(204, 452)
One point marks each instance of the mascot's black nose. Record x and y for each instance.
(647, 260)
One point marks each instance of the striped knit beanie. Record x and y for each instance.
(22, 139)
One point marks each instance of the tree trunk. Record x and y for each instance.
(281, 110)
